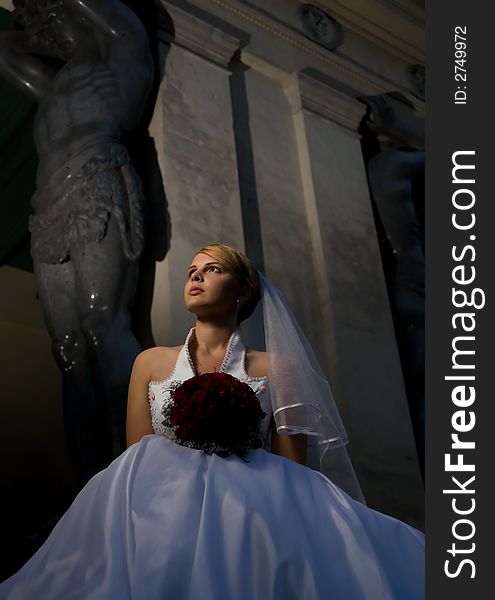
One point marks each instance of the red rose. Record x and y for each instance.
(217, 413)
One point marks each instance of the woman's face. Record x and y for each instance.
(211, 288)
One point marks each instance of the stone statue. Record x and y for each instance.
(416, 75)
(87, 63)
(396, 170)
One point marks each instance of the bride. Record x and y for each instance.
(169, 521)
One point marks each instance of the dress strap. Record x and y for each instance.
(235, 357)
(233, 360)
(184, 368)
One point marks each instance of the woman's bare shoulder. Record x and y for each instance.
(158, 362)
(256, 363)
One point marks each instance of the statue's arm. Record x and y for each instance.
(110, 17)
(24, 71)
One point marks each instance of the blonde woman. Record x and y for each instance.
(169, 520)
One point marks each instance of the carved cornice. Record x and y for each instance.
(395, 25)
(412, 9)
(263, 21)
(196, 35)
(329, 103)
(219, 46)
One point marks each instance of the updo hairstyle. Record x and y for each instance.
(243, 269)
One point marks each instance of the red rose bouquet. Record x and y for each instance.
(214, 412)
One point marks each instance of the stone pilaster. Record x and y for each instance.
(353, 296)
(193, 131)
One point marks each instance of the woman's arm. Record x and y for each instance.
(138, 411)
(290, 446)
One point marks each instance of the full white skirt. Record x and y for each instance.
(164, 521)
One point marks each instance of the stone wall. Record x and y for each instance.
(257, 130)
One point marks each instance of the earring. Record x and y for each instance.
(238, 304)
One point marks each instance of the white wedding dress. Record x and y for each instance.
(168, 522)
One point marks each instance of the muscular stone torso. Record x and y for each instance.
(85, 104)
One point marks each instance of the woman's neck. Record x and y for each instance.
(212, 337)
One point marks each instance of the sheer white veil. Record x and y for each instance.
(302, 400)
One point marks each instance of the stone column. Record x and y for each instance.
(353, 298)
(278, 191)
(193, 131)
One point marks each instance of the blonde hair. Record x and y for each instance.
(243, 269)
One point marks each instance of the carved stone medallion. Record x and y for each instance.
(320, 27)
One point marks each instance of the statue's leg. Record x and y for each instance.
(55, 285)
(105, 284)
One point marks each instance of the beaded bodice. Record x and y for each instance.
(234, 363)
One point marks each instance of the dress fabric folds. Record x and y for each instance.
(165, 521)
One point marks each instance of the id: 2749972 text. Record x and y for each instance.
(460, 64)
